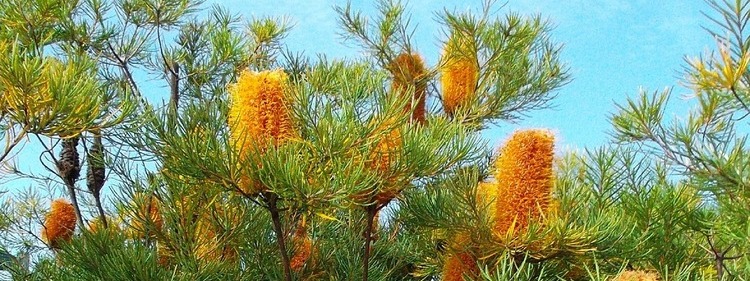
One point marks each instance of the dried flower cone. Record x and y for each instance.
(96, 173)
(524, 175)
(636, 275)
(409, 71)
(259, 115)
(59, 224)
(460, 265)
(459, 75)
(69, 165)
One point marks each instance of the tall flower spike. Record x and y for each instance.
(59, 224)
(259, 115)
(408, 70)
(524, 175)
(458, 265)
(459, 74)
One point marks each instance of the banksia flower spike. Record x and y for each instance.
(636, 275)
(383, 156)
(459, 75)
(302, 248)
(524, 175)
(259, 114)
(149, 212)
(408, 70)
(59, 224)
(460, 265)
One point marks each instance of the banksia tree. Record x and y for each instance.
(59, 224)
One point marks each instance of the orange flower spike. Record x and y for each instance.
(259, 111)
(302, 248)
(524, 175)
(259, 115)
(459, 265)
(409, 70)
(60, 223)
(459, 75)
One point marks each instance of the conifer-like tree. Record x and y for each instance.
(210, 152)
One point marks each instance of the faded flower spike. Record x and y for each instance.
(59, 224)
(459, 75)
(524, 175)
(259, 114)
(408, 70)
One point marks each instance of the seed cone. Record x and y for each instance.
(259, 115)
(69, 165)
(59, 224)
(96, 173)
(524, 176)
(459, 75)
(408, 71)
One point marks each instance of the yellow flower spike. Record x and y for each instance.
(97, 225)
(524, 175)
(149, 212)
(486, 194)
(59, 224)
(259, 115)
(636, 275)
(408, 70)
(459, 75)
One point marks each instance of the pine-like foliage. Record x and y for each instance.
(213, 153)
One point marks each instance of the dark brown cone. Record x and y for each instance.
(69, 164)
(95, 174)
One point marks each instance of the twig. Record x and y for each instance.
(272, 200)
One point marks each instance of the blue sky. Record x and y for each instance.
(613, 48)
